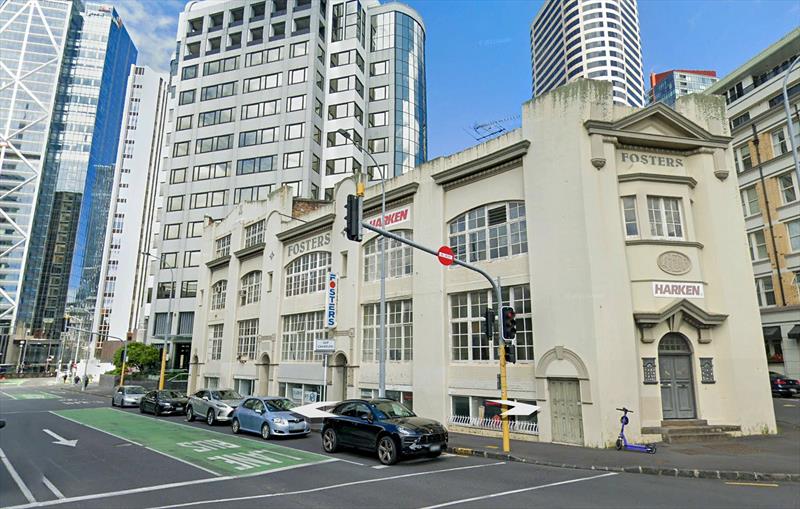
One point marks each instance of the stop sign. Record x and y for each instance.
(445, 255)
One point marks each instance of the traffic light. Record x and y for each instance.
(509, 323)
(489, 325)
(511, 353)
(352, 218)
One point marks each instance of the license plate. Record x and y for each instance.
(436, 448)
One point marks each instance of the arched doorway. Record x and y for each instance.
(338, 390)
(675, 374)
(262, 387)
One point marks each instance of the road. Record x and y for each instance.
(126, 460)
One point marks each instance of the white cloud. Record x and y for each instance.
(152, 24)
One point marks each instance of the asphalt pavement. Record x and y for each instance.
(122, 459)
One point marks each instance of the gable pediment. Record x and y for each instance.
(688, 311)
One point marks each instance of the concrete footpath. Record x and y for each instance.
(752, 458)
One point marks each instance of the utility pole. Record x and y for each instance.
(168, 335)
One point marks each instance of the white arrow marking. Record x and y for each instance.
(314, 410)
(61, 440)
(517, 408)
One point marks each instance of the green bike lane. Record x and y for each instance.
(213, 452)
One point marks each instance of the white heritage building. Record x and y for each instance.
(617, 236)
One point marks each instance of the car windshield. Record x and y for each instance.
(134, 390)
(225, 394)
(279, 405)
(171, 394)
(392, 409)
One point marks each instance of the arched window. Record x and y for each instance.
(251, 288)
(490, 232)
(399, 257)
(218, 292)
(307, 274)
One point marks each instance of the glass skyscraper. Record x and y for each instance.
(72, 199)
(668, 86)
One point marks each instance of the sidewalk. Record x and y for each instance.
(753, 458)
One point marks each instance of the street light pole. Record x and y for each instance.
(789, 120)
(382, 322)
(168, 335)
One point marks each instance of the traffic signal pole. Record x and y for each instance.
(498, 305)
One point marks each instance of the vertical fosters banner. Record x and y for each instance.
(330, 301)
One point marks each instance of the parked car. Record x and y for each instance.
(270, 416)
(126, 395)
(385, 427)
(164, 402)
(782, 385)
(215, 405)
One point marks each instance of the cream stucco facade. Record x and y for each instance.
(615, 231)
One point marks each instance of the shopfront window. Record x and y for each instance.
(490, 232)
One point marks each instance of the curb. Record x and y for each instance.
(726, 475)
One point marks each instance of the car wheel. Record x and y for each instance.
(189, 414)
(387, 450)
(235, 426)
(210, 418)
(330, 442)
(141, 408)
(266, 433)
(156, 410)
(113, 402)
(434, 454)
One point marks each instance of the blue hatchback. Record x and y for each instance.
(269, 416)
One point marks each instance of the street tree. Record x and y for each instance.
(140, 356)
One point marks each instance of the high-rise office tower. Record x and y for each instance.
(32, 36)
(63, 253)
(122, 291)
(260, 91)
(669, 85)
(573, 39)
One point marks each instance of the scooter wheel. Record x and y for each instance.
(651, 449)
(619, 444)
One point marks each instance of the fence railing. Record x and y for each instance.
(530, 428)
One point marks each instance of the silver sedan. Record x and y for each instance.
(126, 395)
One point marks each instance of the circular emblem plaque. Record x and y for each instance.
(673, 262)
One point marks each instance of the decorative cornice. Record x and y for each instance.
(312, 226)
(392, 195)
(663, 242)
(218, 262)
(692, 313)
(499, 160)
(658, 177)
(251, 251)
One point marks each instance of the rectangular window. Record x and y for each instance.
(191, 258)
(296, 103)
(758, 245)
(248, 335)
(379, 68)
(222, 65)
(183, 123)
(378, 145)
(794, 234)
(169, 260)
(174, 203)
(297, 76)
(188, 289)
(299, 333)
(258, 137)
(255, 165)
(215, 342)
(181, 149)
(165, 290)
(788, 188)
(750, 201)
(292, 160)
(294, 131)
(211, 171)
(378, 93)
(252, 193)
(262, 109)
(222, 246)
(665, 217)
(213, 144)
(745, 159)
(177, 176)
(399, 331)
(399, 257)
(208, 199)
(254, 233)
(629, 216)
(779, 145)
(186, 97)
(765, 291)
(218, 91)
(379, 119)
(215, 117)
(298, 49)
(189, 72)
(342, 165)
(194, 229)
(262, 83)
(172, 231)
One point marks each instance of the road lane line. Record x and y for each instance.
(521, 490)
(52, 487)
(379, 467)
(159, 487)
(17, 479)
(96, 429)
(756, 484)
(7, 394)
(325, 488)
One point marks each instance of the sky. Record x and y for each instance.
(478, 52)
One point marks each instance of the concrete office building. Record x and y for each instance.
(260, 90)
(573, 39)
(89, 67)
(621, 250)
(769, 190)
(669, 85)
(122, 294)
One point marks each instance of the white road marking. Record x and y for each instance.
(351, 462)
(158, 487)
(17, 479)
(521, 490)
(184, 461)
(325, 488)
(7, 394)
(379, 467)
(52, 487)
(96, 429)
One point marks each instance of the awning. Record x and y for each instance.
(772, 333)
(795, 332)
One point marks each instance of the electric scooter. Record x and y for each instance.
(622, 442)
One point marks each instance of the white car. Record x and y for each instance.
(128, 395)
(213, 405)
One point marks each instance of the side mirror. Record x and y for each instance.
(205, 398)
(260, 411)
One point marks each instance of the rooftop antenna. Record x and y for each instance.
(485, 130)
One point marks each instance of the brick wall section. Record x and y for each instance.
(301, 207)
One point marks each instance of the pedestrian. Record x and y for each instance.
(77, 380)
(85, 381)
(65, 378)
